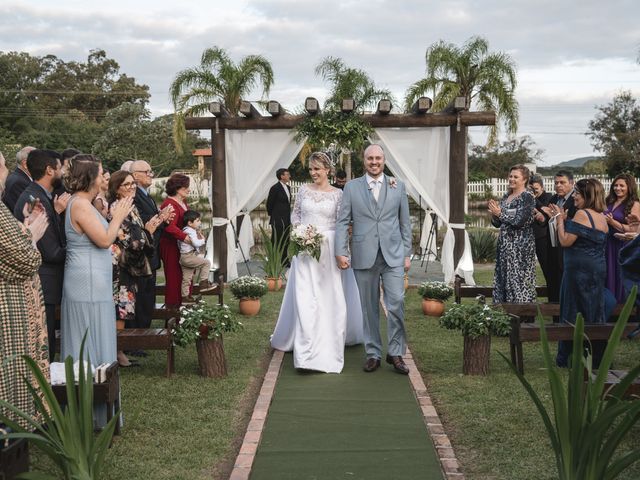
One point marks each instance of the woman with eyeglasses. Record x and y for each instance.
(132, 251)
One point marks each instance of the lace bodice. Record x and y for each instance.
(316, 208)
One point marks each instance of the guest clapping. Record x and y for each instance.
(23, 329)
(622, 201)
(515, 273)
(177, 189)
(87, 298)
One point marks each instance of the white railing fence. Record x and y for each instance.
(499, 186)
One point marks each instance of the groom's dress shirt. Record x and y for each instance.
(374, 185)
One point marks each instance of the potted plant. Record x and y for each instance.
(248, 290)
(433, 296)
(203, 324)
(477, 322)
(273, 263)
(66, 435)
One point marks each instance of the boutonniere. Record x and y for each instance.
(392, 182)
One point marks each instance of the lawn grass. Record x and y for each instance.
(493, 425)
(186, 426)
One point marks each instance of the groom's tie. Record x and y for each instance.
(375, 189)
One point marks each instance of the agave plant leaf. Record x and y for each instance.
(272, 258)
(589, 424)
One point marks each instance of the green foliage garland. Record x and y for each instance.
(347, 131)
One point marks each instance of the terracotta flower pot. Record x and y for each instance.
(274, 284)
(475, 355)
(249, 306)
(119, 324)
(433, 308)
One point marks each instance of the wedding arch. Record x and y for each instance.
(425, 150)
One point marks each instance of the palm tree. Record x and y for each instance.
(486, 79)
(349, 82)
(217, 78)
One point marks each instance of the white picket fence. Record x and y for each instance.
(499, 186)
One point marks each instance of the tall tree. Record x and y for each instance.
(495, 162)
(615, 131)
(217, 78)
(485, 79)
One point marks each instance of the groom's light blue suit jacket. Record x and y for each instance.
(383, 225)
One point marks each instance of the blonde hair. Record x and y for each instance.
(322, 159)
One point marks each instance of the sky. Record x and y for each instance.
(571, 56)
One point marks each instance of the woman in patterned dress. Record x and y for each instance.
(23, 327)
(515, 274)
(132, 251)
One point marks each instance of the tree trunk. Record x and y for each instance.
(211, 358)
(475, 356)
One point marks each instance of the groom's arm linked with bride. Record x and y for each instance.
(378, 208)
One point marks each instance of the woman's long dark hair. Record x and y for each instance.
(632, 192)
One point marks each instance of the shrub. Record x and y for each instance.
(476, 319)
(435, 290)
(203, 321)
(483, 244)
(248, 287)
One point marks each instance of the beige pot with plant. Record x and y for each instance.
(248, 290)
(434, 294)
(273, 259)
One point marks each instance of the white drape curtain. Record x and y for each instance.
(420, 158)
(252, 158)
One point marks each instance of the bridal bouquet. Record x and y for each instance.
(305, 239)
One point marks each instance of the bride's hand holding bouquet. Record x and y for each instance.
(305, 239)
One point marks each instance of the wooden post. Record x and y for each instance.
(457, 186)
(219, 199)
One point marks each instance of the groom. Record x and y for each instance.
(381, 245)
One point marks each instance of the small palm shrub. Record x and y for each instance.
(483, 244)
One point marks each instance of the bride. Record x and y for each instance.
(320, 311)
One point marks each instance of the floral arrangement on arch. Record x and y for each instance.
(305, 240)
(435, 290)
(203, 321)
(248, 286)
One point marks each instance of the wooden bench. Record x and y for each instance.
(613, 378)
(524, 330)
(107, 392)
(145, 339)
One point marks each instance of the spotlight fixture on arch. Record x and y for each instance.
(384, 106)
(311, 105)
(422, 105)
(274, 108)
(348, 105)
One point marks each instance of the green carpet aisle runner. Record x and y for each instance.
(355, 425)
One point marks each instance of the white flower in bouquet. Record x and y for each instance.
(305, 239)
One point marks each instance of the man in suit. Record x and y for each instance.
(279, 209)
(341, 179)
(18, 180)
(45, 167)
(381, 247)
(540, 225)
(147, 208)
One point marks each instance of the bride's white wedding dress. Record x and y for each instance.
(321, 310)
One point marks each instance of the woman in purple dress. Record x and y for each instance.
(622, 201)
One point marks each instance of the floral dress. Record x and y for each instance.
(131, 254)
(515, 274)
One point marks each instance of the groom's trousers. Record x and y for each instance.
(368, 281)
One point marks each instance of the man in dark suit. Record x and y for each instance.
(279, 209)
(541, 226)
(341, 180)
(17, 180)
(147, 208)
(45, 167)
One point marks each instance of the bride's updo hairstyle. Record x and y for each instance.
(322, 159)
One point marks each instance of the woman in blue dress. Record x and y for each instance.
(585, 269)
(87, 293)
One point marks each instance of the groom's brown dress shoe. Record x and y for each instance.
(398, 364)
(372, 364)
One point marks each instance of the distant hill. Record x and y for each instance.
(575, 163)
